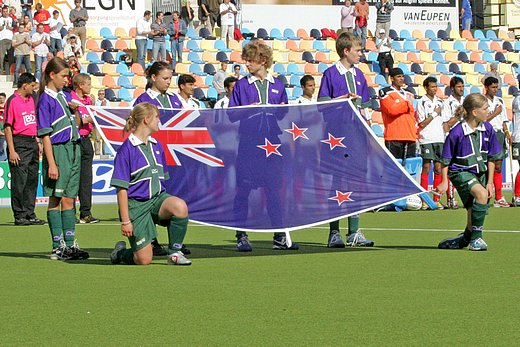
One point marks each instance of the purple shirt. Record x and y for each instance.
(334, 84)
(151, 97)
(246, 92)
(140, 168)
(469, 150)
(55, 119)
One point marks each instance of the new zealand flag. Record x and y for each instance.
(265, 168)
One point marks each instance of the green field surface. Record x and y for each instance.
(403, 292)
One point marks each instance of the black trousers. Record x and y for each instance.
(24, 177)
(385, 61)
(85, 177)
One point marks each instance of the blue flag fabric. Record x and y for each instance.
(265, 168)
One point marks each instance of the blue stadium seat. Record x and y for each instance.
(393, 35)
(212, 93)
(372, 57)
(107, 46)
(124, 82)
(316, 34)
(512, 90)
(295, 80)
(192, 34)
(442, 69)
(499, 56)
(492, 35)
(199, 94)
(435, 46)
(297, 92)
(261, 33)
(124, 94)
(442, 35)
(280, 69)
(322, 67)
(447, 91)
(123, 70)
(194, 46)
(484, 46)
(110, 95)
(480, 68)
(517, 45)
(408, 81)
(475, 89)
(416, 68)
(289, 34)
(205, 34)
(506, 45)
(221, 46)
(478, 34)
(319, 46)
(405, 35)
(293, 69)
(488, 56)
(276, 34)
(430, 34)
(396, 46)
(196, 70)
(106, 33)
(209, 80)
(460, 46)
(93, 58)
(381, 80)
(93, 69)
(308, 57)
(462, 56)
(222, 56)
(438, 57)
(209, 69)
(195, 58)
(454, 68)
(405, 68)
(377, 129)
(375, 68)
(409, 46)
(107, 57)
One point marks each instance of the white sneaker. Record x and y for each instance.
(478, 245)
(178, 258)
(501, 203)
(358, 239)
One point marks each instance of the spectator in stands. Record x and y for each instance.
(6, 38)
(218, 79)
(361, 22)
(3, 154)
(27, 21)
(227, 20)
(384, 48)
(187, 12)
(214, 12)
(177, 32)
(308, 85)
(229, 84)
(186, 85)
(12, 14)
(493, 72)
(498, 119)
(398, 117)
(56, 25)
(466, 15)
(22, 49)
(42, 16)
(74, 69)
(141, 38)
(384, 16)
(72, 46)
(236, 71)
(159, 30)
(430, 110)
(204, 14)
(24, 151)
(26, 6)
(348, 15)
(40, 43)
(79, 17)
(68, 36)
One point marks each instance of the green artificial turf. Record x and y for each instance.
(402, 292)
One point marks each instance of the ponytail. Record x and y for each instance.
(138, 114)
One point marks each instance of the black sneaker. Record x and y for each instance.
(185, 250)
(157, 248)
(76, 253)
(280, 244)
(88, 220)
(22, 221)
(36, 221)
(457, 242)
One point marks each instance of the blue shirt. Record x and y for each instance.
(246, 92)
(140, 168)
(55, 118)
(334, 84)
(466, 6)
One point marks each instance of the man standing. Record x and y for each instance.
(385, 59)
(227, 20)
(26, 6)
(384, 16)
(55, 34)
(158, 32)
(361, 21)
(218, 79)
(214, 11)
(79, 17)
(24, 151)
(40, 43)
(498, 119)
(347, 17)
(177, 32)
(22, 49)
(453, 113)
(466, 15)
(398, 117)
(6, 37)
(141, 37)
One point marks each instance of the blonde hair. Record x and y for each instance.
(472, 102)
(346, 41)
(258, 51)
(138, 114)
(80, 78)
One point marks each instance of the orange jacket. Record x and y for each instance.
(398, 115)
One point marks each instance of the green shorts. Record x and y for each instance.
(516, 150)
(144, 216)
(464, 181)
(501, 137)
(67, 157)
(431, 151)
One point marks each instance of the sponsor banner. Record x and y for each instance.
(513, 14)
(102, 13)
(409, 14)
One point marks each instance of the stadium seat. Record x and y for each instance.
(381, 80)
(377, 129)
(236, 57)
(411, 56)
(111, 96)
(221, 46)
(322, 67)
(484, 46)
(480, 68)
(199, 94)
(416, 68)
(93, 46)
(123, 70)
(318, 46)
(488, 57)
(182, 68)
(462, 56)
(371, 57)
(212, 93)
(308, 57)
(121, 33)
(193, 46)
(192, 34)
(512, 90)
(222, 56)
(454, 34)
(302, 34)
(107, 46)
(205, 34)
(499, 56)
(297, 92)
(430, 34)
(492, 35)
(124, 82)
(405, 68)
(454, 68)
(195, 58)
(396, 46)
(280, 69)
(436, 47)
(196, 70)
(107, 57)
(467, 35)
(289, 34)
(442, 35)
(137, 69)
(209, 80)
(316, 34)
(430, 67)
(476, 57)
(438, 57)
(208, 46)
(447, 45)
(293, 69)
(294, 80)
(393, 35)
(279, 46)
(442, 69)
(421, 45)
(92, 33)
(209, 57)
(311, 69)
(139, 81)
(418, 34)
(479, 35)
(93, 69)
(277, 34)
(475, 89)
(460, 46)
(370, 45)
(409, 46)
(121, 45)
(108, 81)
(94, 58)
(124, 94)
(234, 45)
(408, 80)
(452, 57)
(295, 57)
(262, 33)
(106, 33)
(405, 35)
(507, 46)
(199, 82)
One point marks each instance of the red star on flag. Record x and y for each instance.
(341, 197)
(334, 141)
(297, 132)
(270, 148)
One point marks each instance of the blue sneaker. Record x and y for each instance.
(335, 240)
(478, 245)
(114, 256)
(457, 242)
(280, 244)
(243, 244)
(358, 240)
